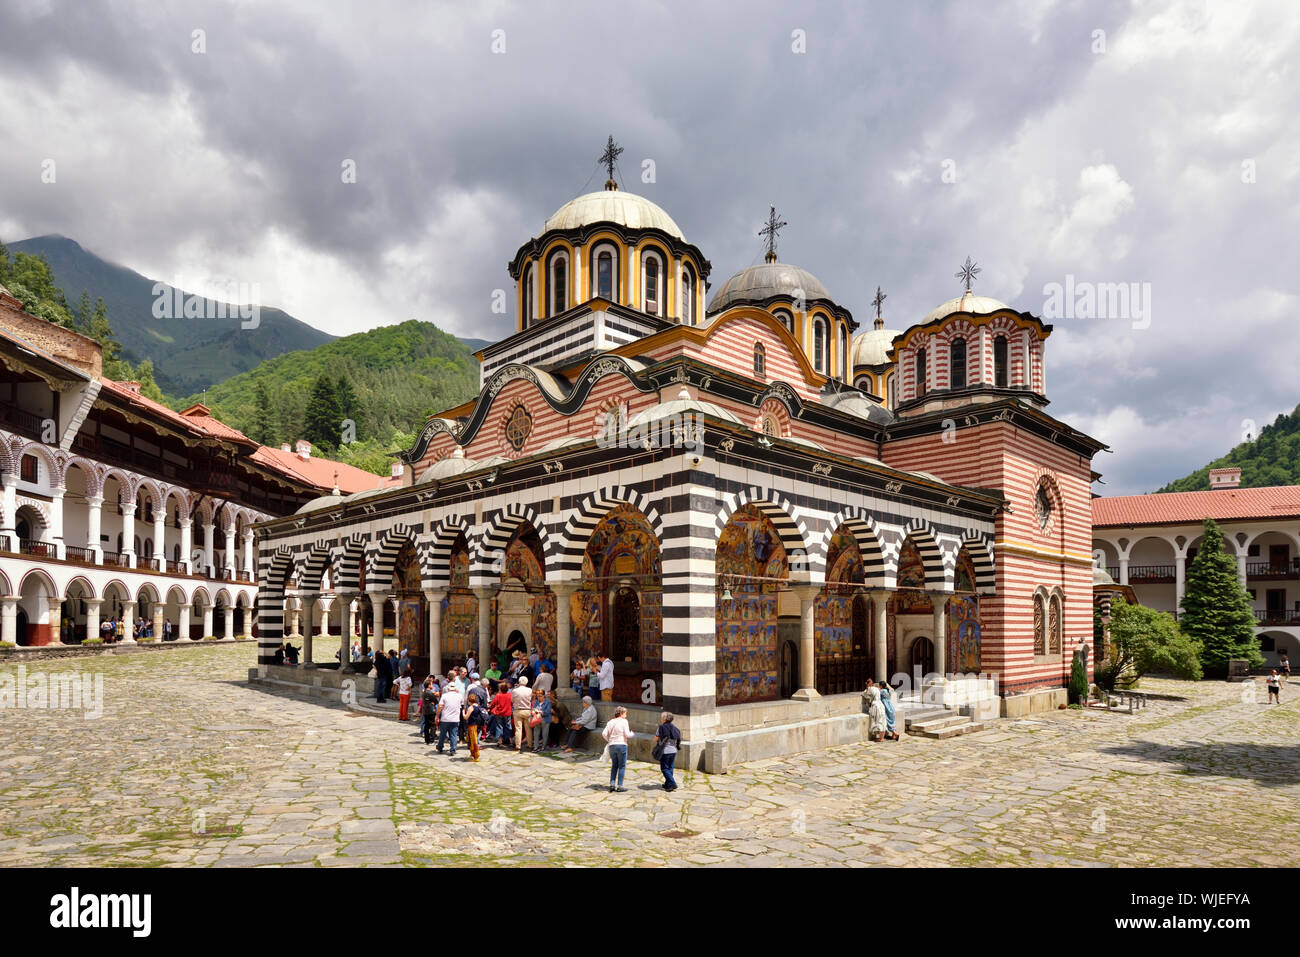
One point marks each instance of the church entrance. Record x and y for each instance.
(922, 656)
(625, 626)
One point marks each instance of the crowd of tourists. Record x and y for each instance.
(113, 630)
(513, 704)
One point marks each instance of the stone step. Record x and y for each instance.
(934, 720)
(966, 726)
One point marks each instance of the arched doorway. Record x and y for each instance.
(751, 566)
(845, 651)
(619, 609)
(459, 609)
(910, 609)
(412, 610)
(921, 656)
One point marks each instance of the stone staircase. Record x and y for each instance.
(939, 723)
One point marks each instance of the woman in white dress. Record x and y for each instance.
(875, 711)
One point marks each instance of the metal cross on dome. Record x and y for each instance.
(879, 301)
(769, 232)
(968, 272)
(610, 156)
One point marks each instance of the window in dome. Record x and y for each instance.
(819, 345)
(559, 286)
(785, 319)
(920, 372)
(652, 285)
(957, 365)
(688, 296)
(1000, 362)
(605, 275)
(844, 353)
(528, 296)
(1043, 507)
(760, 360)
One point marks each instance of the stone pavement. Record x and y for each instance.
(188, 765)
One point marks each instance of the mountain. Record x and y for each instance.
(187, 354)
(399, 375)
(1270, 458)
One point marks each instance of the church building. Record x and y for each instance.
(750, 505)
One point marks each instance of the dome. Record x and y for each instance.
(325, 501)
(757, 284)
(871, 348)
(966, 302)
(612, 206)
(448, 467)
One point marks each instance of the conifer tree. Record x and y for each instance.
(1216, 608)
(263, 419)
(323, 422)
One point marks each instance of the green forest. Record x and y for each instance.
(385, 382)
(1270, 458)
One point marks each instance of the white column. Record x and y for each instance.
(160, 540)
(675, 307)
(92, 617)
(575, 269)
(981, 376)
(158, 609)
(1123, 570)
(249, 570)
(940, 626)
(434, 596)
(128, 621)
(344, 603)
(484, 621)
(378, 601)
(563, 626)
(183, 624)
(1241, 568)
(807, 643)
(186, 544)
(209, 549)
(10, 517)
(229, 560)
(230, 621)
(128, 533)
(207, 621)
(9, 619)
(880, 605)
(633, 278)
(56, 521)
(94, 524)
(1180, 578)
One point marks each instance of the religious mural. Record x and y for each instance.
(833, 609)
(751, 562)
(964, 619)
(622, 547)
(459, 607)
(411, 618)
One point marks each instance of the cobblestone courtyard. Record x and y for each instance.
(190, 766)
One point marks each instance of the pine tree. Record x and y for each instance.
(1078, 689)
(323, 423)
(1216, 608)
(349, 407)
(263, 428)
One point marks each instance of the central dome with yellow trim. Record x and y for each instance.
(612, 206)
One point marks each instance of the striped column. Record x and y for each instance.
(272, 571)
(689, 588)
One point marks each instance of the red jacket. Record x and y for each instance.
(501, 704)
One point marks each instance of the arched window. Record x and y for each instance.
(1000, 362)
(760, 360)
(653, 270)
(688, 296)
(605, 275)
(844, 352)
(559, 284)
(957, 365)
(785, 319)
(1054, 626)
(819, 345)
(528, 296)
(920, 371)
(1040, 626)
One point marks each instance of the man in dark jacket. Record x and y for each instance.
(383, 677)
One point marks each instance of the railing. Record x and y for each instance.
(32, 546)
(175, 568)
(1273, 569)
(1113, 572)
(21, 419)
(119, 559)
(842, 674)
(74, 554)
(1150, 573)
(1277, 616)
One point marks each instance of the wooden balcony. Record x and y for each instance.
(1151, 574)
(1273, 571)
(32, 546)
(1277, 616)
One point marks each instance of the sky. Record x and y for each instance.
(361, 164)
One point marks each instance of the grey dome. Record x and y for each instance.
(612, 206)
(757, 284)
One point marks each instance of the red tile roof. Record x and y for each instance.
(1167, 508)
(321, 472)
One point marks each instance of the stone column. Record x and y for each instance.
(344, 603)
(183, 623)
(940, 602)
(207, 621)
(230, 621)
(158, 609)
(880, 633)
(1180, 578)
(434, 597)
(9, 520)
(187, 543)
(293, 620)
(128, 622)
(250, 570)
(807, 595)
(563, 637)
(92, 616)
(128, 533)
(1123, 570)
(485, 596)
(1241, 569)
(378, 599)
(94, 524)
(209, 549)
(9, 619)
(309, 605)
(160, 538)
(56, 521)
(229, 560)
